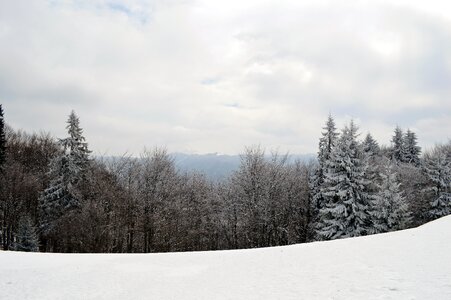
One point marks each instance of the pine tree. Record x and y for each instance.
(370, 145)
(67, 170)
(75, 147)
(327, 141)
(2, 139)
(26, 237)
(390, 210)
(411, 149)
(398, 145)
(326, 144)
(345, 210)
(371, 152)
(437, 167)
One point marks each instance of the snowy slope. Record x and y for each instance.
(410, 264)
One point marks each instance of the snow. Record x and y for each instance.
(409, 264)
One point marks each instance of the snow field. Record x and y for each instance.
(409, 264)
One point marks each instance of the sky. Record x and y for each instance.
(205, 76)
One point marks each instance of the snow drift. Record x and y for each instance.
(409, 264)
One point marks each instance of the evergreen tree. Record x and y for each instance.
(75, 148)
(437, 167)
(398, 145)
(67, 170)
(411, 149)
(345, 210)
(389, 208)
(371, 151)
(327, 141)
(26, 237)
(326, 144)
(2, 139)
(370, 145)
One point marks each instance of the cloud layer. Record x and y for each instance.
(214, 76)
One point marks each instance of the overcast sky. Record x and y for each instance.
(215, 76)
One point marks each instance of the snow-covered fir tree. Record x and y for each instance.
(390, 210)
(326, 144)
(398, 145)
(26, 237)
(66, 172)
(75, 147)
(327, 141)
(371, 151)
(346, 203)
(2, 138)
(370, 145)
(437, 167)
(411, 149)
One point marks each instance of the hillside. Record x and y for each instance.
(217, 167)
(410, 264)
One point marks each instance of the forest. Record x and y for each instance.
(55, 196)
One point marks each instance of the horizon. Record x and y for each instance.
(267, 149)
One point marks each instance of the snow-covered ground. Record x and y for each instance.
(410, 264)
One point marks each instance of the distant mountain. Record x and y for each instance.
(218, 166)
(215, 166)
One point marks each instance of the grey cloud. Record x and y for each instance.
(207, 76)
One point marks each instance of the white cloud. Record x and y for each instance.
(214, 76)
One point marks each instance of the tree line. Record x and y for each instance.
(56, 197)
